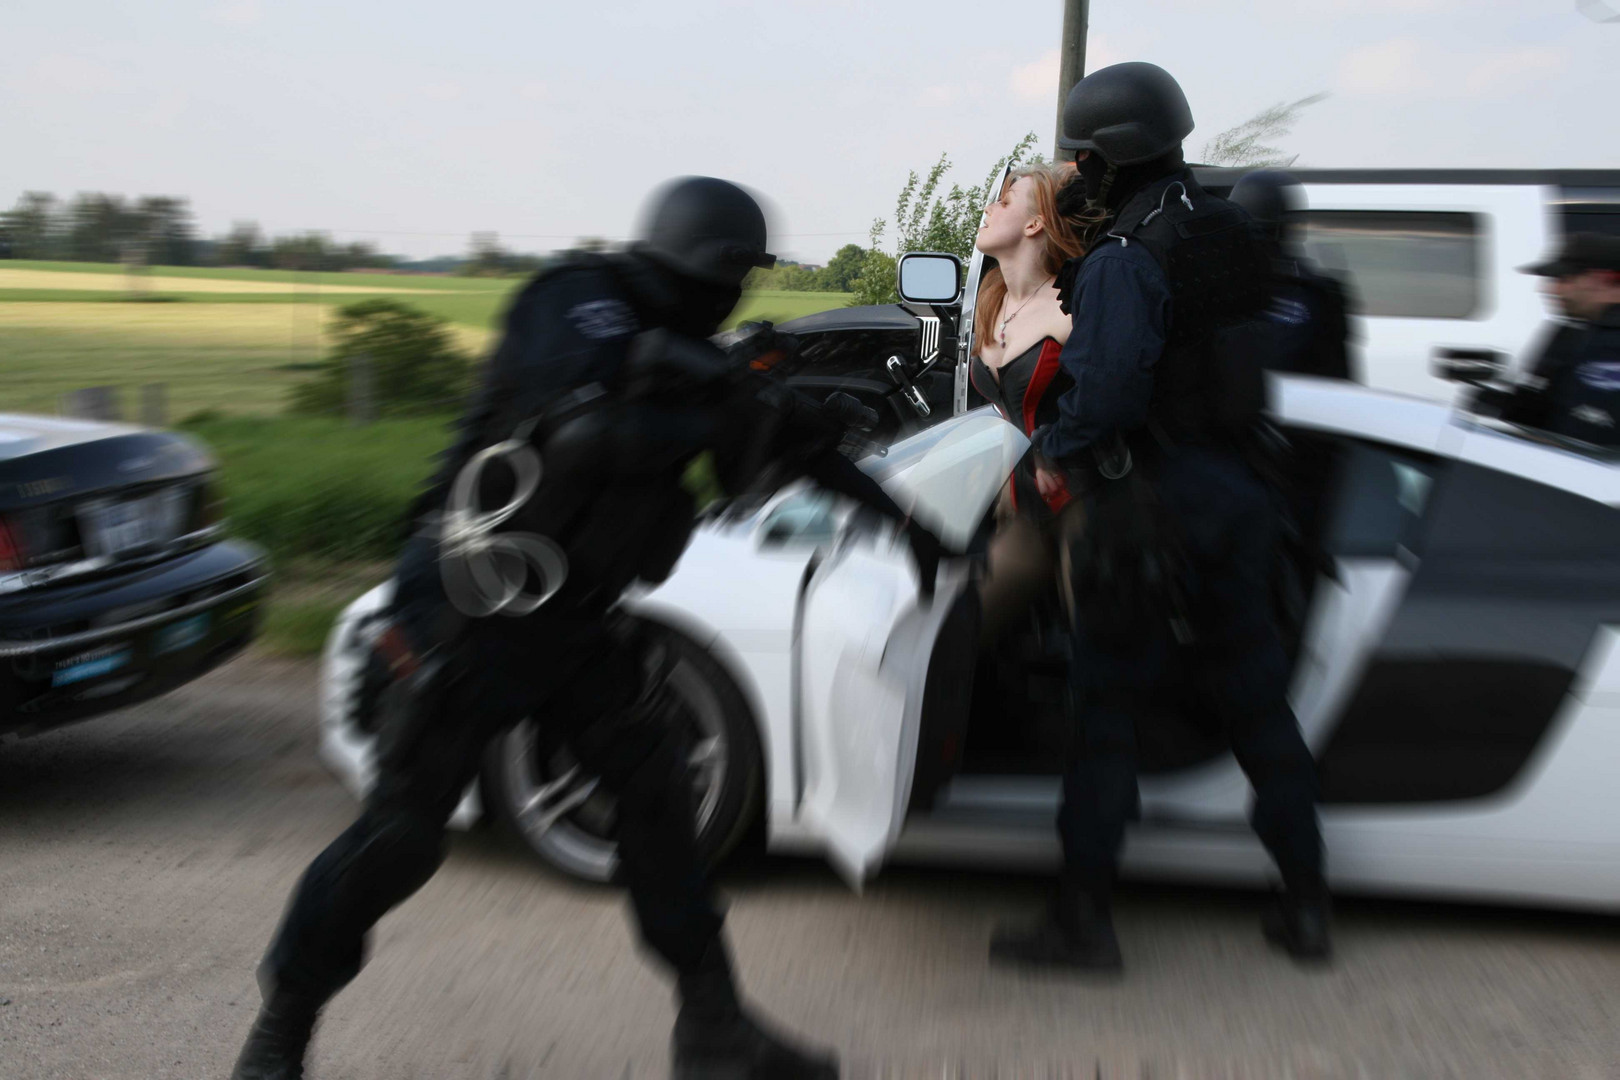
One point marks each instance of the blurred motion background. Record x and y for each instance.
(289, 229)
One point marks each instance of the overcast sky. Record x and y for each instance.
(413, 123)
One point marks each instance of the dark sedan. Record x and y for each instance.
(116, 580)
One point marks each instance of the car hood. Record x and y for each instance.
(22, 434)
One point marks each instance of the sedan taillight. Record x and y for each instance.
(12, 555)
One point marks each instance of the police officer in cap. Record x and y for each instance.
(564, 487)
(1176, 534)
(1573, 384)
(1308, 307)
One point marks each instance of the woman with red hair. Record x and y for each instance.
(1019, 331)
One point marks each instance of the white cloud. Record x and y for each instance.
(441, 91)
(67, 73)
(1387, 68)
(1405, 67)
(1037, 80)
(534, 91)
(1511, 68)
(235, 12)
(932, 97)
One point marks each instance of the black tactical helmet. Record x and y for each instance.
(1126, 113)
(1269, 196)
(704, 229)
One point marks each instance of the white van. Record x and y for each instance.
(1431, 257)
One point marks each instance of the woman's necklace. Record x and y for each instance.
(1001, 331)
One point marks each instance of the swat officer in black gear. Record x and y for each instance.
(1169, 567)
(1308, 308)
(1572, 385)
(563, 488)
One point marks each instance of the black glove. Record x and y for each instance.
(926, 549)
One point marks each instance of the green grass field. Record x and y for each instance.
(325, 498)
(235, 352)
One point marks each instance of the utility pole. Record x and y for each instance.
(1071, 61)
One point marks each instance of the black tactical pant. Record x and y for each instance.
(591, 686)
(1237, 667)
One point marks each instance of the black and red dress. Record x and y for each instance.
(1025, 390)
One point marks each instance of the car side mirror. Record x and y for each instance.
(930, 277)
(1472, 367)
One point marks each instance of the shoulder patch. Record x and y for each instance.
(1289, 311)
(1603, 375)
(603, 320)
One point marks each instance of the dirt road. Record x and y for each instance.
(145, 856)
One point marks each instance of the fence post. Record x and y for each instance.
(92, 403)
(154, 404)
(362, 399)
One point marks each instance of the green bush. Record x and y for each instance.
(317, 488)
(416, 368)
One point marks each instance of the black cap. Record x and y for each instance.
(1579, 253)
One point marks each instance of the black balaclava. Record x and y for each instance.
(686, 305)
(1109, 187)
(702, 305)
(1094, 176)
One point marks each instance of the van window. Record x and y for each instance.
(1413, 264)
(1589, 209)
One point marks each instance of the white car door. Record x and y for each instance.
(875, 662)
(970, 303)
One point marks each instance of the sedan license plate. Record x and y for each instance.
(114, 527)
(180, 635)
(90, 665)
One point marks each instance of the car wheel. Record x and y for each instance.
(534, 785)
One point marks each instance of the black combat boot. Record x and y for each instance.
(1077, 933)
(1300, 920)
(716, 1040)
(276, 1043)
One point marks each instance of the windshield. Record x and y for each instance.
(949, 474)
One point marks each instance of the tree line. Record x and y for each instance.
(158, 230)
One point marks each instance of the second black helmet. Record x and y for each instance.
(704, 229)
(1269, 196)
(1126, 114)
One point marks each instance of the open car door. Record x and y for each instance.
(970, 304)
(884, 678)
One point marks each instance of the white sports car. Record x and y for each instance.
(1457, 675)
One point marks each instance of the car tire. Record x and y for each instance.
(727, 761)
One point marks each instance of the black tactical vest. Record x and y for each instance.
(612, 454)
(1209, 385)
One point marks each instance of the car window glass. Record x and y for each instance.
(1380, 498)
(1416, 264)
(804, 518)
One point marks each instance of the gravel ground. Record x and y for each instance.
(145, 856)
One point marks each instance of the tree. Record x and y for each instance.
(32, 228)
(416, 367)
(927, 221)
(101, 228)
(839, 275)
(244, 245)
(486, 257)
(164, 223)
(1245, 146)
